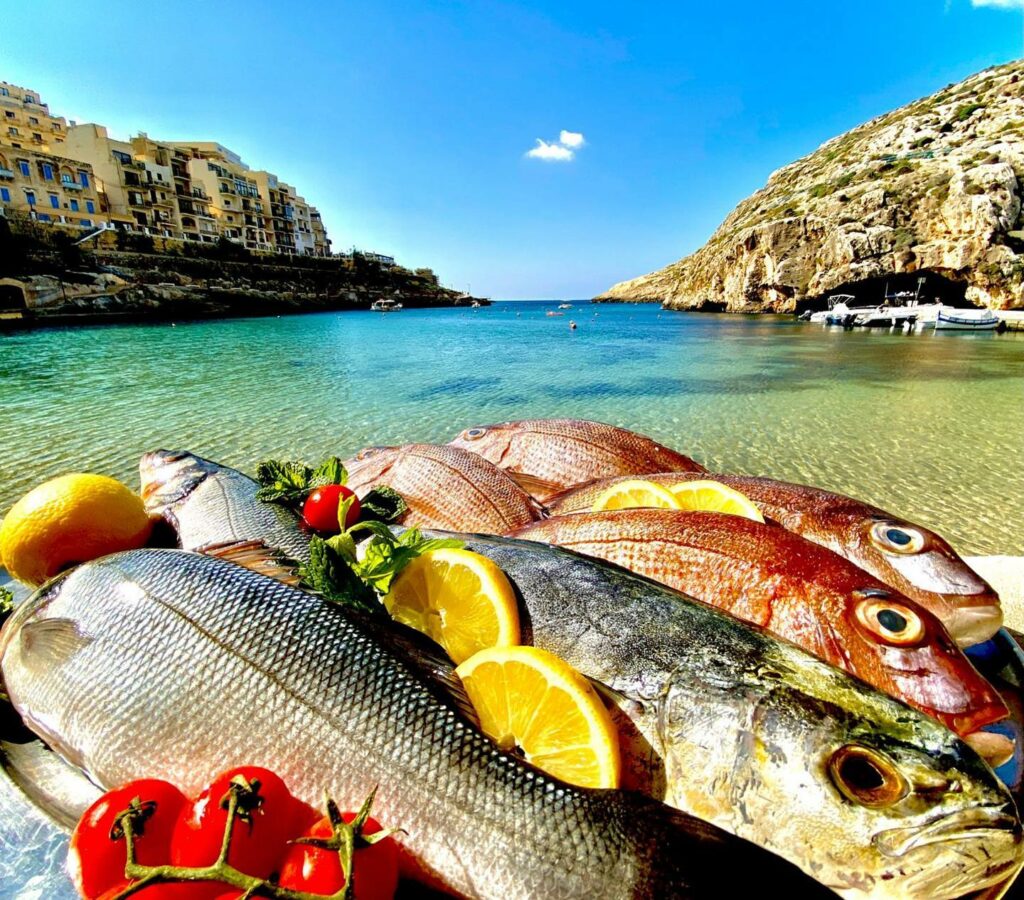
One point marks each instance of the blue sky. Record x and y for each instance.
(409, 123)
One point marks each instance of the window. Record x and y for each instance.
(44, 217)
(37, 137)
(87, 223)
(5, 195)
(90, 206)
(47, 172)
(12, 130)
(54, 202)
(9, 114)
(23, 166)
(84, 178)
(30, 198)
(67, 178)
(32, 120)
(4, 92)
(74, 206)
(56, 126)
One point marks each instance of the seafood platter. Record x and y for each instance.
(549, 659)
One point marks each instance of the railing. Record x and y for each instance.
(71, 185)
(6, 173)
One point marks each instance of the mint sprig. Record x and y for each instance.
(335, 571)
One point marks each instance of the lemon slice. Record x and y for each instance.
(531, 701)
(713, 496)
(635, 493)
(460, 599)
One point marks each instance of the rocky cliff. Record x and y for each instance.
(932, 189)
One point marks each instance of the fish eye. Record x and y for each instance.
(367, 452)
(887, 619)
(472, 434)
(867, 777)
(895, 538)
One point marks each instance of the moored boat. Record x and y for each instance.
(386, 305)
(950, 319)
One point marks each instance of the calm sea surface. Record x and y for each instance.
(930, 426)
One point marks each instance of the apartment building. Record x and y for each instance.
(48, 188)
(26, 123)
(183, 190)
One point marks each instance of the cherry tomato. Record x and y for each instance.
(322, 507)
(255, 848)
(96, 861)
(318, 871)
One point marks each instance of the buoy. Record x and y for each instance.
(572, 326)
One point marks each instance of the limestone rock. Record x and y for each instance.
(934, 187)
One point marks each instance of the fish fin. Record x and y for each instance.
(255, 556)
(47, 643)
(430, 661)
(608, 694)
(538, 488)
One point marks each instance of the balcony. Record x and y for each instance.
(6, 173)
(71, 185)
(200, 193)
(181, 175)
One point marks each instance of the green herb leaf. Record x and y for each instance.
(385, 557)
(330, 572)
(343, 509)
(330, 471)
(383, 504)
(282, 480)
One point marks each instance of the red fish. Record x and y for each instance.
(798, 591)
(908, 557)
(546, 456)
(445, 487)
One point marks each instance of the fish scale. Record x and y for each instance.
(444, 487)
(160, 663)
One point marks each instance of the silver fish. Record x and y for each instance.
(757, 736)
(207, 504)
(161, 663)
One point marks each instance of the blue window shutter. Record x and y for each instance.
(54, 202)
(47, 171)
(74, 206)
(24, 169)
(84, 176)
(5, 194)
(90, 206)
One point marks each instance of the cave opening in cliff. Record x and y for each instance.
(936, 287)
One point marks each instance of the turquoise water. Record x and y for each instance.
(930, 426)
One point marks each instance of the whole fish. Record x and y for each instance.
(549, 455)
(731, 724)
(798, 591)
(445, 487)
(735, 726)
(206, 503)
(917, 562)
(162, 663)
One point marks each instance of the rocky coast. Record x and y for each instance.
(930, 190)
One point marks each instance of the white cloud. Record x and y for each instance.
(1001, 4)
(562, 150)
(570, 139)
(550, 152)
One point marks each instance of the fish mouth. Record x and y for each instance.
(969, 625)
(978, 824)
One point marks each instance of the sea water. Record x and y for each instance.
(929, 425)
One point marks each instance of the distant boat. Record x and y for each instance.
(886, 317)
(386, 305)
(476, 304)
(565, 306)
(551, 312)
(950, 319)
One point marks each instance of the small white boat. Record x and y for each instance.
(565, 306)
(952, 319)
(887, 317)
(386, 305)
